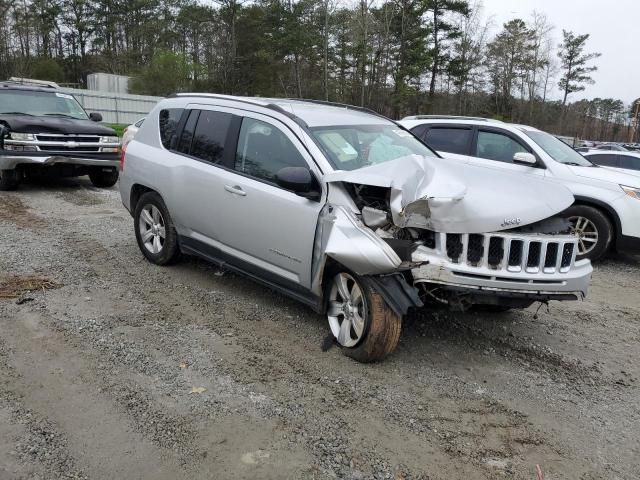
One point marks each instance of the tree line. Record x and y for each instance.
(398, 57)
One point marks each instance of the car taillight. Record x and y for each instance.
(122, 153)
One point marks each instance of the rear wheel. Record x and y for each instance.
(360, 320)
(594, 231)
(9, 179)
(155, 233)
(103, 178)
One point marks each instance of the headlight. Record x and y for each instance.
(22, 136)
(109, 140)
(631, 191)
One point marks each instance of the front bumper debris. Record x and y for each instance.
(13, 159)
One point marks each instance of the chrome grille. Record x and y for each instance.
(511, 252)
(55, 137)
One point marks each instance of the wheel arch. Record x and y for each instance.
(137, 190)
(609, 212)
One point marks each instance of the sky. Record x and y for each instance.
(613, 26)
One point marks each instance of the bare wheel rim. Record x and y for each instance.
(587, 233)
(152, 229)
(347, 310)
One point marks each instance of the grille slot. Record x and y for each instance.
(79, 148)
(68, 138)
(515, 253)
(454, 246)
(533, 257)
(496, 252)
(475, 248)
(567, 255)
(551, 257)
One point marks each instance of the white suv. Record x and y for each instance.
(606, 212)
(345, 211)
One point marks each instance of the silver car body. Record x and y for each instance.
(274, 234)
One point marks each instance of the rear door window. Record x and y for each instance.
(169, 120)
(497, 146)
(186, 137)
(209, 135)
(451, 140)
(627, 161)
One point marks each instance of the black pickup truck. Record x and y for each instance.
(45, 132)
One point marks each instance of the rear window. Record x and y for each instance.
(451, 140)
(168, 123)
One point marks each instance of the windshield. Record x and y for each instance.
(356, 146)
(557, 149)
(28, 102)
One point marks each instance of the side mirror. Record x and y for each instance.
(95, 117)
(525, 158)
(300, 181)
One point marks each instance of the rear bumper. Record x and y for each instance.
(14, 159)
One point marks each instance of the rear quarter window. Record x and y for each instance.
(168, 123)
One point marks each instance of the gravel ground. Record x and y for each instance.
(113, 368)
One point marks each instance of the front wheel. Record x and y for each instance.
(103, 178)
(9, 179)
(594, 231)
(360, 320)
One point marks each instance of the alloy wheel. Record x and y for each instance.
(347, 310)
(587, 234)
(152, 229)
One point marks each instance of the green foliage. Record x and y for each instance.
(44, 68)
(574, 63)
(119, 128)
(167, 73)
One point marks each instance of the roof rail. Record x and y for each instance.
(35, 83)
(449, 117)
(341, 105)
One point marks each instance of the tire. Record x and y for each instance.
(103, 179)
(594, 230)
(9, 180)
(367, 313)
(151, 219)
(482, 308)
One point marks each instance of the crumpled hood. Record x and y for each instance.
(607, 175)
(452, 197)
(51, 124)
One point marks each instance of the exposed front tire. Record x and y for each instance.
(155, 233)
(102, 178)
(360, 320)
(9, 179)
(594, 231)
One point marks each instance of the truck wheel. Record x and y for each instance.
(594, 231)
(103, 179)
(156, 235)
(9, 179)
(360, 320)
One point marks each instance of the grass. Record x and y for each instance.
(119, 128)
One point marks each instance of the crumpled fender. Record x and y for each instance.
(447, 196)
(342, 236)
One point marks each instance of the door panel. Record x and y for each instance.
(262, 223)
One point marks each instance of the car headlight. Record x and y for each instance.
(22, 136)
(631, 191)
(111, 139)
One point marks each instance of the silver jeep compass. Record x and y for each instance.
(345, 211)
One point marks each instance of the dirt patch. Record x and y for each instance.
(14, 286)
(13, 210)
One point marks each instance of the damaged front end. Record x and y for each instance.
(461, 236)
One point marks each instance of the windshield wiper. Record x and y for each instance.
(16, 113)
(61, 115)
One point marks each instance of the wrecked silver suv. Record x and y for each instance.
(345, 211)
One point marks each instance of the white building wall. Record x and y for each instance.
(115, 107)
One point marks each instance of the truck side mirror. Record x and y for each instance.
(95, 117)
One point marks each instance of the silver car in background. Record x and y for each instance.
(344, 210)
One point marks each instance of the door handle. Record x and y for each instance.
(236, 190)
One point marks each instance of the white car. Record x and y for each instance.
(627, 162)
(606, 212)
(131, 131)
